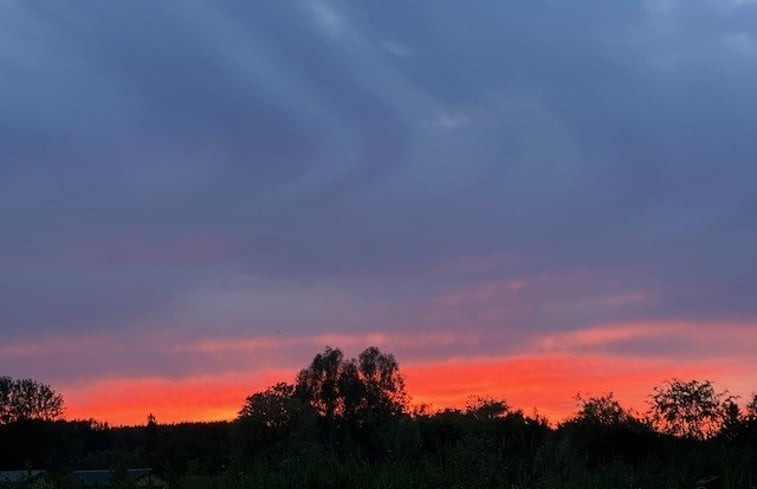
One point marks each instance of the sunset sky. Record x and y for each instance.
(520, 199)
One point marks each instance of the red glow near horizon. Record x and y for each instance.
(129, 401)
(546, 376)
(547, 383)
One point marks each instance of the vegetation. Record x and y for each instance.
(347, 423)
(691, 409)
(26, 399)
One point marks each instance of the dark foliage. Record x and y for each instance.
(27, 399)
(691, 409)
(346, 423)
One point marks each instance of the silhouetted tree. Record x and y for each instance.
(281, 440)
(275, 408)
(601, 410)
(747, 429)
(273, 418)
(319, 384)
(486, 408)
(383, 387)
(26, 399)
(603, 430)
(733, 421)
(690, 409)
(151, 437)
(6, 386)
(363, 392)
(751, 408)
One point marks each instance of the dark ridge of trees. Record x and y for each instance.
(347, 422)
(27, 399)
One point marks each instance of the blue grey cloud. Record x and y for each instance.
(151, 150)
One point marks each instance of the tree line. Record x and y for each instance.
(369, 390)
(364, 392)
(348, 422)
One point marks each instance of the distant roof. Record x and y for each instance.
(14, 476)
(102, 478)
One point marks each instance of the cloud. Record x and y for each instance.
(326, 17)
(128, 401)
(742, 43)
(661, 6)
(694, 339)
(547, 383)
(207, 378)
(452, 121)
(398, 49)
(217, 172)
(342, 340)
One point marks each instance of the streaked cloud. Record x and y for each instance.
(186, 183)
(398, 49)
(742, 43)
(545, 383)
(326, 17)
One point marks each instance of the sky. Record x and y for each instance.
(524, 199)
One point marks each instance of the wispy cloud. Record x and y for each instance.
(742, 43)
(695, 339)
(446, 183)
(445, 121)
(549, 383)
(352, 341)
(326, 17)
(398, 49)
(544, 382)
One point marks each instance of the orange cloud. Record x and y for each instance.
(129, 401)
(548, 383)
(546, 371)
(481, 293)
(348, 341)
(711, 337)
